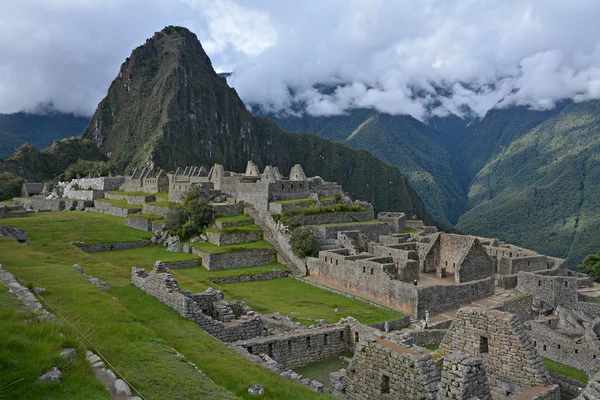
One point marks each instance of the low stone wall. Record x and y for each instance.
(228, 209)
(569, 387)
(114, 196)
(237, 237)
(183, 264)
(440, 298)
(155, 210)
(393, 325)
(520, 306)
(107, 208)
(161, 285)
(463, 377)
(102, 183)
(34, 204)
(300, 348)
(140, 199)
(507, 281)
(371, 231)
(236, 259)
(89, 195)
(424, 337)
(267, 276)
(93, 248)
(143, 224)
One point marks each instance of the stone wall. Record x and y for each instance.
(88, 195)
(143, 224)
(463, 377)
(438, 298)
(332, 218)
(371, 231)
(424, 337)
(103, 183)
(93, 248)
(500, 339)
(155, 210)
(160, 284)
(34, 204)
(267, 276)
(236, 259)
(228, 209)
(183, 264)
(519, 306)
(569, 387)
(552, 290)
(300, 348)
(381, 369)
(393, 325)
(233, 237)
(557, 347)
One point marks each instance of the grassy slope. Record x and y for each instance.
(566, 370)
(28, 350)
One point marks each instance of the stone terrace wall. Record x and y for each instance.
(143, 224)
(183, 264)
(236, 259)
(332, 218)
(155, 210)
(33, 204)
(160, 284)
(235, 237)
(371, 231)
(93, 248)
(89, 195)
(380, 366)
(267, 276)
(300, 348)
(424, 337)
(500, 339)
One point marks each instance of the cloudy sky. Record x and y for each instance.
(393, 55)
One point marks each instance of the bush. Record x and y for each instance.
(304, 243)
(190, 218)
(10, 185)
(591, 266)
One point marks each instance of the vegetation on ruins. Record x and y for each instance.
(304, 243)
(10, 186)
(84, 168)
(591, 266)
(287, 217)
(191, 217)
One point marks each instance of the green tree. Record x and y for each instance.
(10, 185)
(304, 243)
(191, 217)
(591, 265)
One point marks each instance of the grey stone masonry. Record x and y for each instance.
(267, 276)
(156, 210)
(227, 209)
(183, 264)
(227, 321)
(463, 378)
(236, 259)
(371, 230)
(25, 297)
(592, 390)
(500, 339)
(300, 348)
(143, 224)
(382, 369)
(233, 237)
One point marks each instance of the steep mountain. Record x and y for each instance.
(401, 141)
(40, 130)
(542, 190)
(167, 107)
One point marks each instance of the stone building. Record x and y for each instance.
(146, 180)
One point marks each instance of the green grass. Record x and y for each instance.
(409, 230)
(432, 347)
(163, 203)
(211, 248)
(294, 201)
(28, 350)
(319, 371)
(157, 195)
(244, 228)
(153, 217)
(235, 218)
(565, 370)
(300, 300)
(374, 222)
(58, 228)
(120, 203)
(196, 279)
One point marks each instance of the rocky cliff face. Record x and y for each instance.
(167, 107)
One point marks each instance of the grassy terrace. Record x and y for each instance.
(153, 217)
(120, 203)
(136, 332)
(30, 350)
(410, 230)
(236, 218)
(164, 196)
(294, 201)
(235, 229)
(211, 248)
(565, 370)
(196, 279)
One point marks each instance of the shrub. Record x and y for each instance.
(10, 185)
(190, 218)
(304, 243)
(591, 266)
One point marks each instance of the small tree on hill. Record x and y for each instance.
(304, 243)
(591, 266)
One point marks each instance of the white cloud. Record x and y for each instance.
(385, 54)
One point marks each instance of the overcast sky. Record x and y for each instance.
(378, 53)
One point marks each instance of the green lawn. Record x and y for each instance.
(121, 204)
(409, 230)
(319, 371)
(236, 218)
(432, 347)
(28, 350)
(565, 370)
(196, 279)
(235, 229)
(211, 248)
(294, 201)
